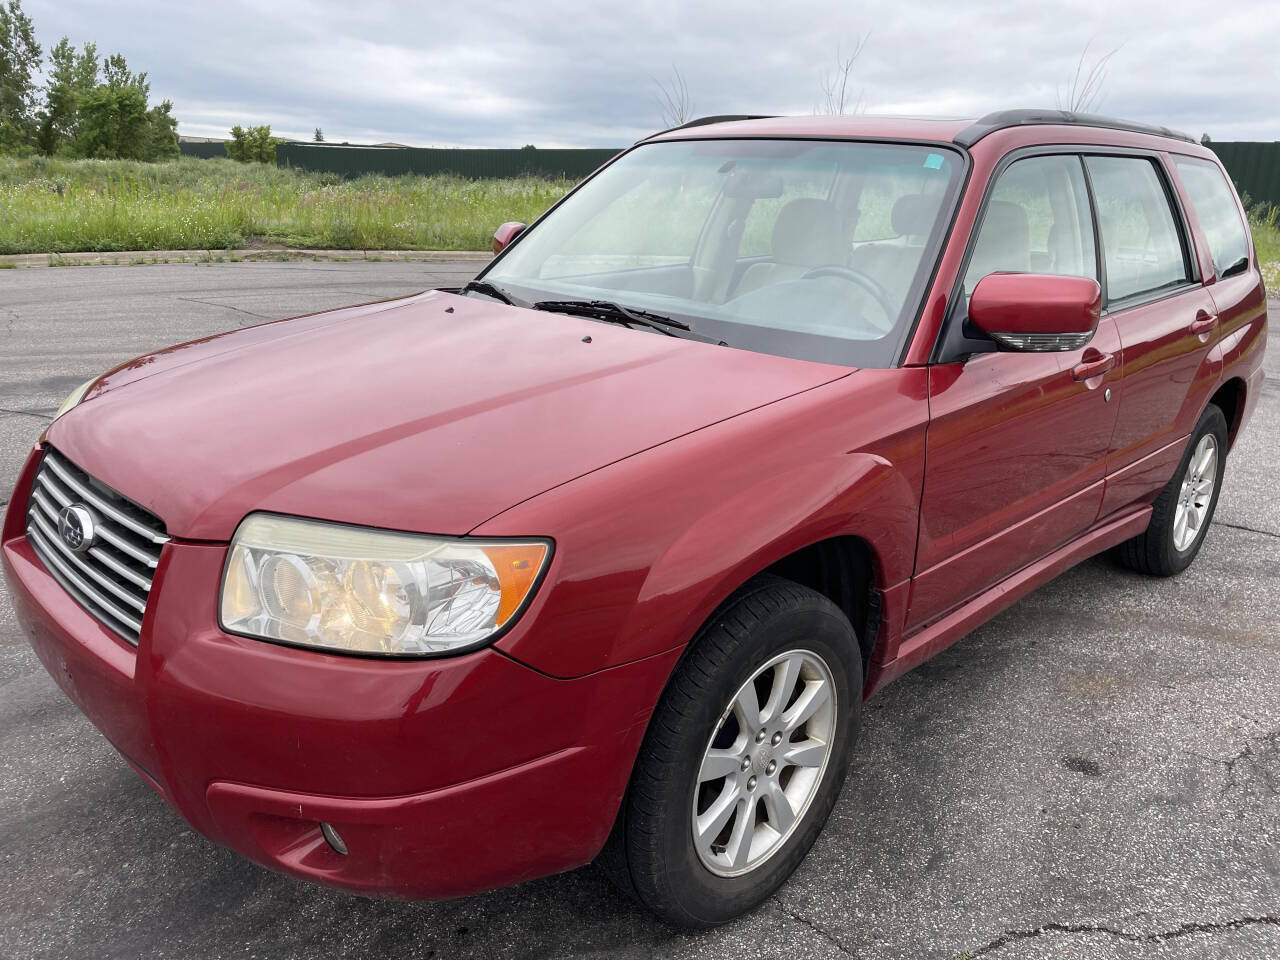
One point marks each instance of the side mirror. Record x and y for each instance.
(1036, 312)
(503, 236)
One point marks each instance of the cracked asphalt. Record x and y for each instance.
(1094, 774)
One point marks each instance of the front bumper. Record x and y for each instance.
(443, 777)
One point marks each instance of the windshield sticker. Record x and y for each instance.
(933, 161)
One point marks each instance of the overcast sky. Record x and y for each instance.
(573, 73)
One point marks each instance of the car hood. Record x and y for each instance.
(431, 414)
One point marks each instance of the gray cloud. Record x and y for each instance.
(576, 74)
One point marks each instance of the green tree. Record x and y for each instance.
(319, 137)
(19, 59)
(116, 74)
(113, 119)
(162, 132)
(238, 145)
(71, 76)
(112, 122)
(252, 145)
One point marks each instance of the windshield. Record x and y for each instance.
(812, 249)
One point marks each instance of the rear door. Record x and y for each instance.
(1165, 319)
(1232, 271)
(1017, 442)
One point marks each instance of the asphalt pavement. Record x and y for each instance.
(1093, 774)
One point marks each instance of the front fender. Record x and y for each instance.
(649, 546)
(856, 494)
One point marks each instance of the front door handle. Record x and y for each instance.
(1094, 367)
(1203, 322)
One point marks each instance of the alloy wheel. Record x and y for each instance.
(1196, 493)
(764, 763)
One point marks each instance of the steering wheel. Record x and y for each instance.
(878, 293)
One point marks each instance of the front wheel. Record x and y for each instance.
(744, 759)
(1183, 511)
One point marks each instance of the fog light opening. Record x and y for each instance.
(332, 838)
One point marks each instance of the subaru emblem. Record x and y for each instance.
(75, 526)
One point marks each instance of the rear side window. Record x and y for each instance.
(1218, 214)
(1037, 221)
(1140, 243)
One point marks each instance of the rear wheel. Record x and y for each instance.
(744, 757)
(1183, 511)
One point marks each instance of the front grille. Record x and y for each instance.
(112, 578)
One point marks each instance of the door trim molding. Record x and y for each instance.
(924, 643)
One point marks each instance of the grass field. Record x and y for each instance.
(59, 206)
(1266, 237)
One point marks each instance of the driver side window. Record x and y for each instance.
(1037, 221)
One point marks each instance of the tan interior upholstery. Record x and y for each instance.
(806, 235)
(893, 263)
(912, 215)
(1067, 255)
(1003, 245)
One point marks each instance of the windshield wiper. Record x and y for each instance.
(608, 310)
(490, 289)
(611, 312)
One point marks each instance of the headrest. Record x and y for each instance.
(1004, 241)
(912, 215)
(807, 234)
(1010, 220)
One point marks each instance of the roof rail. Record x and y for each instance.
(1003, 119)
(703, 121)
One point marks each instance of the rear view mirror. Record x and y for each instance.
(753, 185)
(1036, 312)
(503, 236)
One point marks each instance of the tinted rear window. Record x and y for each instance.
(1217, 211)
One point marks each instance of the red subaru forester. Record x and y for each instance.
(597, 557)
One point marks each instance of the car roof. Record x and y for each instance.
(931, 129)
(962, 131)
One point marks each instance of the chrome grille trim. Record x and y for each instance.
(81, 590)
(112, 579)
(68, 556)
(115, 539)
(99, 554)
(92, 498)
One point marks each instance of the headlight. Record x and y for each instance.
(75, 397)
(359, 590)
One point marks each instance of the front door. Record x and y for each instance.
(1017, 442)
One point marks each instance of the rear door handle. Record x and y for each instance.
(1093, 368)
(1203, 322)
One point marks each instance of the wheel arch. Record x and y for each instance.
(842, 569)
(845, 568)
(1230, 399)
(844, 527)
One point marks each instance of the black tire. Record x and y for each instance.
(651, 854)
(1153, 552)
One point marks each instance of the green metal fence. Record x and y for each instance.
(202, 150)
(1255, 168)
(476, 164)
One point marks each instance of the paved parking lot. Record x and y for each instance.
(1093, 774)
